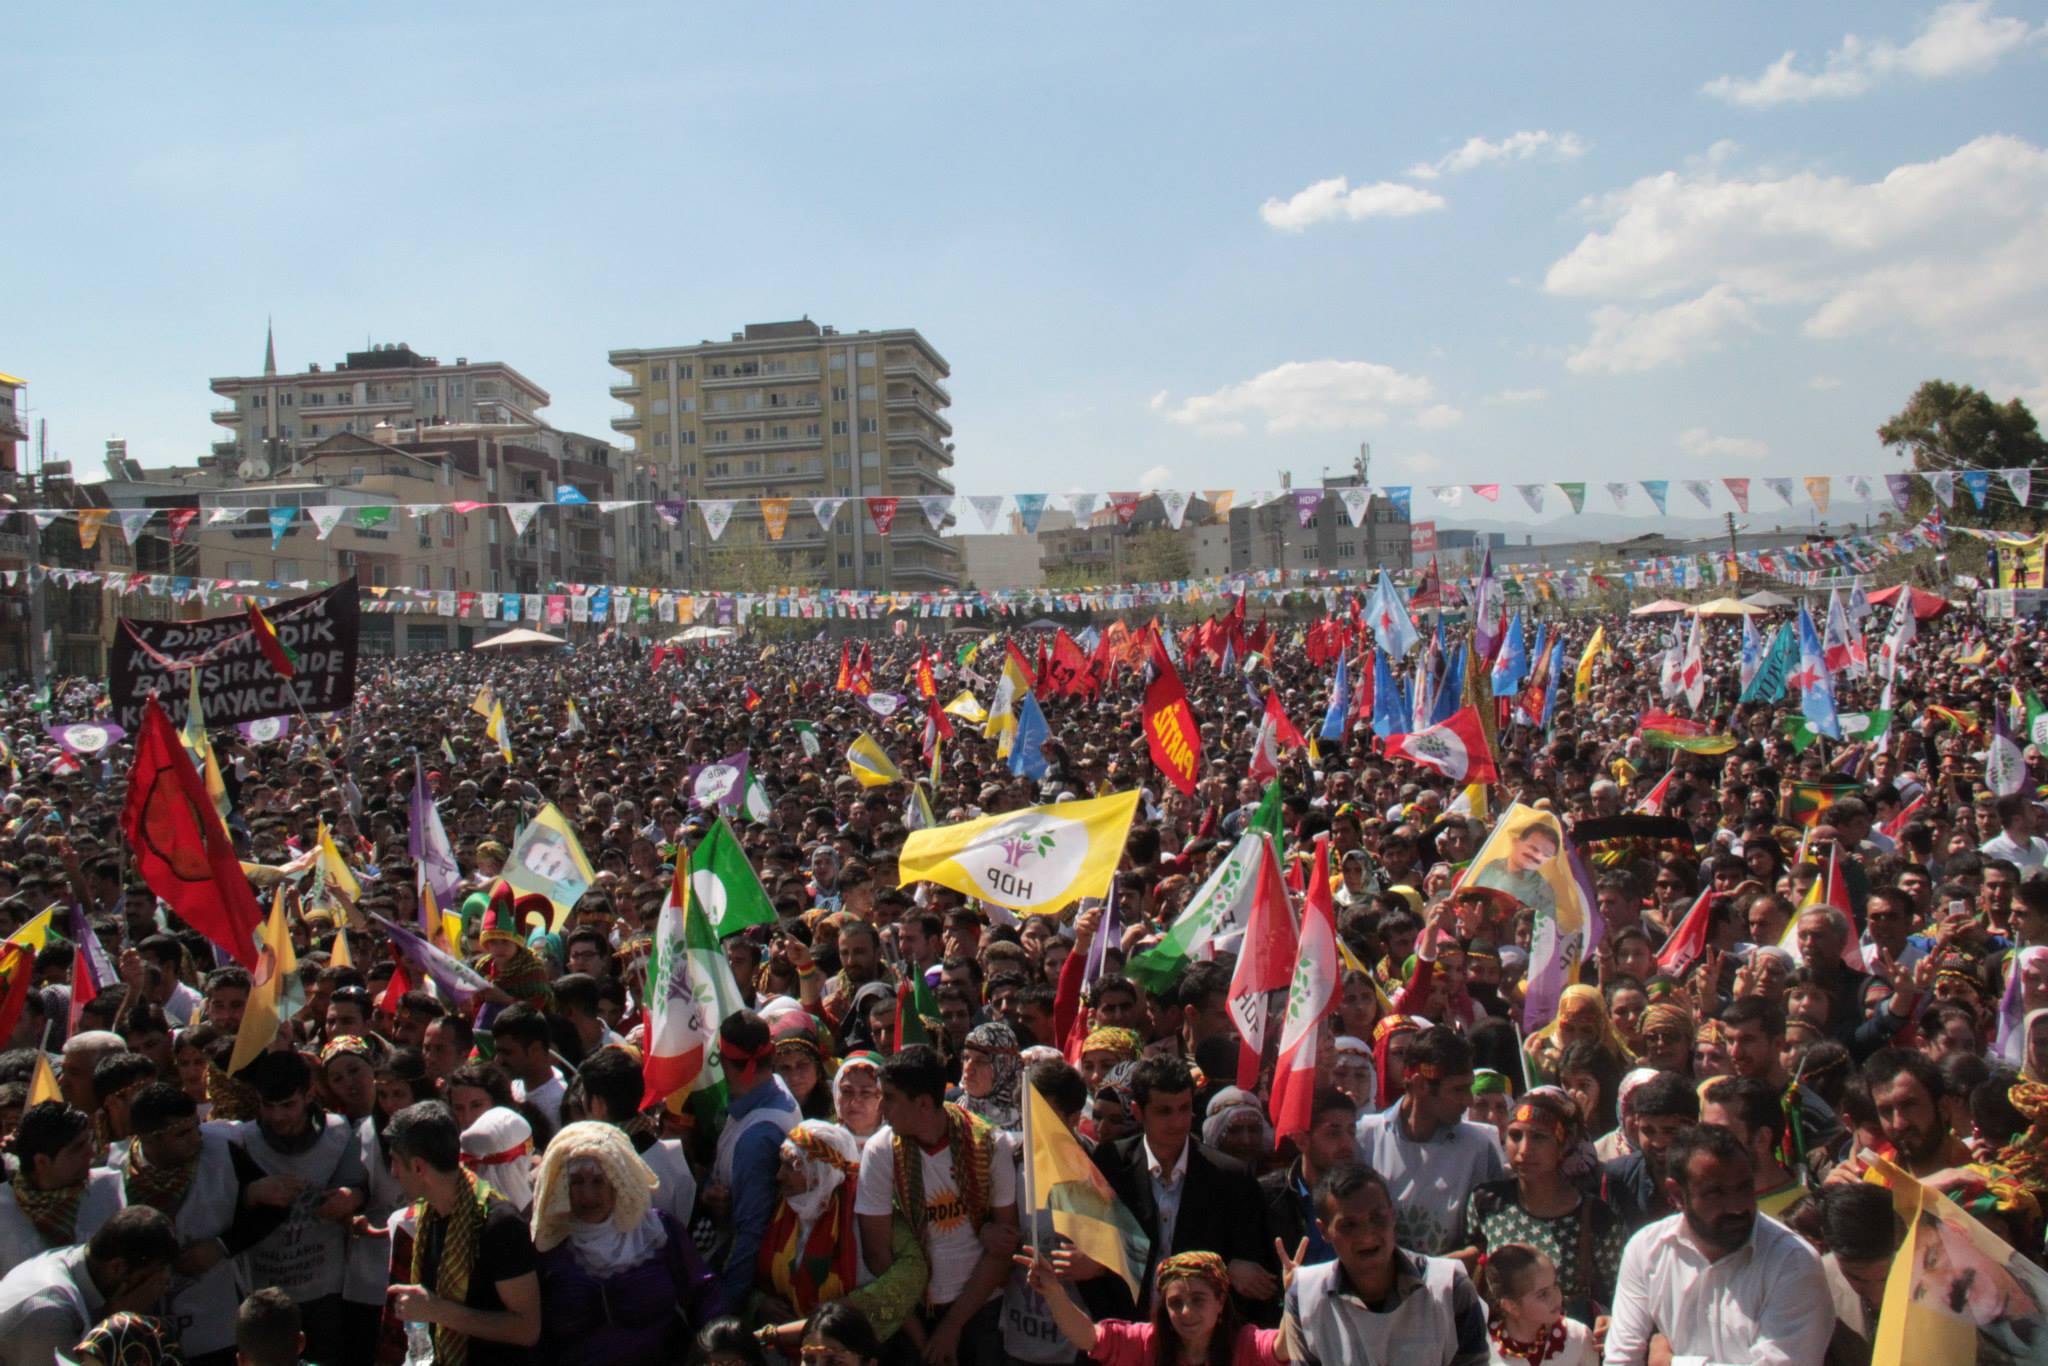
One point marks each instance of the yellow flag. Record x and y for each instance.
(1947, 1252)
(1083, 1207)
(201, 749)
(276, 965)
(485, 702)
(499, 731)
(35, 935)
(338, 955)
(43, 1085)
(1009, 687)
(967, 708)
(870, 763)
(548, 861)
(334, 870)
(1040, 859)
(1582, 680)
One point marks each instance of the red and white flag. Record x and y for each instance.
(1265, 962)
(1455, 748)
(1653, 801)
(1692, 668)
(1312, 996)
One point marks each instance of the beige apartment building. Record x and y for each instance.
(802, 411)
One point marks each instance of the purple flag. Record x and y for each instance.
(1306, 502)
(460, 984)
(719, 784)
(86, 737)
(265, 730)
(426, 840)
(1901, 486)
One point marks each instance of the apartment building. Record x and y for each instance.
(18, 606)
(271, 417)
(800, 411)
(1275, 536)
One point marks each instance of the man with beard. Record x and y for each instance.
(220, 1204)
(1714, 1280)
(1907, 1092)
(1658, 1110)
(292, 1136)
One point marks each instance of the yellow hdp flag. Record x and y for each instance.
(1065, 1183)
(485, 702)
(277, 969)
(547, 860)
(35, 935)
(43, 1085)
(1040, 859)
(870, 763)
(967, 708)
(1582, 680)
(496, 728)
(333, 870)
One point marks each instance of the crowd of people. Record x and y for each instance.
(1684, 1164)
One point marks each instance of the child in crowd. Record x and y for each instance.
(1526, 1310)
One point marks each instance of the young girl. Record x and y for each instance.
(1193, 1321)
(1527, 1322)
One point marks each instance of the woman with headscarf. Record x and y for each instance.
(1390, 1040)
(498, 1147)
(800, 1062)
(1581, 1018)
(2027, 992)
(1102, 1049)
(992, 1076)
(621, 1283)
(857, 1094)
(126, 1339)
(1236, 1123)
(811, 1253)
(2034, 1045)
(1194, 1318)
(1667, 1037)
(869, 1023)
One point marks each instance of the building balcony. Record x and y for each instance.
(226, 417)
(369, 405)
(732, 380)
(917, 533)
(911, 403)
(778, 477)
(630, 389)
(227, 450)
(627, 422)
(910, 436)
(715, 450)
(11, 423)
(897, 369)
(903, 571)
(937, 483)
(769, 412)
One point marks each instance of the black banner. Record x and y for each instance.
(235, 682)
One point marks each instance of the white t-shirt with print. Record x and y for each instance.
(951, 1244)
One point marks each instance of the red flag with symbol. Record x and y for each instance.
(1455, 748)
(1170, 731)
(1311, 996)
(1265, 962)
(883, 511)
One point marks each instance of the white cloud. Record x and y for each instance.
(1957, 39)
(1420, 462)
(1628, 340)
(1525, 145)
(1335, 198)
(1519, 396)
(1950, 253)
(1437, 417)
(1155, 478)
(1698, 441)
(1157, 403)
(1823, 383)
(1305, 396)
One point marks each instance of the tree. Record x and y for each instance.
(1948, 426)
(1156, 557)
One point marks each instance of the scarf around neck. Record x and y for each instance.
(461, 1238)
(972, 1143)
(160, 1187)
(53, 1212)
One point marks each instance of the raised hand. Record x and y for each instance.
(1289, 1264)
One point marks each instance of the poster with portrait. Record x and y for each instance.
(1527, 861)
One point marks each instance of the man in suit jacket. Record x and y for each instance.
(1185, 1195)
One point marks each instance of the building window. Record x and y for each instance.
(839, 427)
(871, 558)
(423, 577)
(657, 374)
(868, 424)
(867, 391)
(779, 433)
(810, 429)
(846, 559)
(238, 569)
(839, 460)
(719, 435)
(377, 576)
(867, 360)
(684, 372)
(686, 405)
(717, 371)
(686, 438)
(839, 393)
(448, 579)
(661, 438)
(661, 407)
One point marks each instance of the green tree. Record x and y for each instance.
(1957, 427)
(1156, 557)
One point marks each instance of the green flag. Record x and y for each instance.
(754, 805)
(1865, 726)
(1224, 899)
(807, 736)
(2036, 732)
(724, 883)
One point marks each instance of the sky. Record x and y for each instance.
(1188, 246)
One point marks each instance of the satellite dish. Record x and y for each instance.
(254, 469)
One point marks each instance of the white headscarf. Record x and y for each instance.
(499, 1149)
(811, 1142)
(633, 1233)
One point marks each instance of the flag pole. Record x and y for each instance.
(1030, 1191)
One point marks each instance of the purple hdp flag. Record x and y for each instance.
(719, 784)
(265, 730)
(458, 982)
(426, 840)
(85, 737)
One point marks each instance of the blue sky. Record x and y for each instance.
(1671, 252)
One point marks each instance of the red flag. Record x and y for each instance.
(1265, 962)
(282, 662)
(1688, 941)
(753, 698)
(845, 680)
(1653, 801)
(1455, 748)
(1283, 729)
(180, 846)
(180, 519)
(863, 681)
(17, 975)
(395, 992)
(927, 682)
(883, 511)
(1170, 730)
(1312, 996)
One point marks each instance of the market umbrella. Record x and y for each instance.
(1926, 605)
(1660, 607)
(1766, 598)
(516, 637)
(1728, 607)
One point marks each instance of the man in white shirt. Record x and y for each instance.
(960, 1319)
(1430, 1154)
(48, 1301)
(1719, 1284)
(2016, 839)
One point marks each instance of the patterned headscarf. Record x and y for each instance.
(1123, 1044)
(1198, 1266)
(1225, 1106)
(351, 1044)
(1000, 1107)
(810, 1253)
(1663, 1013)
(1389, 1086)
(125, 1339)
(610, 1149)
(2026, 1157)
